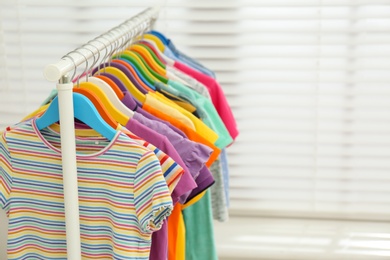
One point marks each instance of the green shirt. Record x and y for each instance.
(204, 108)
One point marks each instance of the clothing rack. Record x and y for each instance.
(127, 30)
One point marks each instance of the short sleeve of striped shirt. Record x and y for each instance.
(171, 170)
(151, 196)
(5, 173)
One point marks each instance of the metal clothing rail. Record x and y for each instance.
(132, 27)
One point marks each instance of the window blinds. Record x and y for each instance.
(308, 81)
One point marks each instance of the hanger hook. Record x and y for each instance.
(146, 26)
(119, 41)
(111, 44)
(94, 60)
(123, 31)
(74, 64)
(86, 67)
(85, 46)
(105, 54)
(143, 25)
(131, 34)
(98, 57)
(126, 35)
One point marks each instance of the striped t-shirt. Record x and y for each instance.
(171, 170)
(122, 194)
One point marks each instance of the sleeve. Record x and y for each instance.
(152, 198)
(5, 173)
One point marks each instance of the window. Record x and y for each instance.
(308, 81)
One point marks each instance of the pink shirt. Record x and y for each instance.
(217, 96)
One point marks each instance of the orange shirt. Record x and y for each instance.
(191, 134)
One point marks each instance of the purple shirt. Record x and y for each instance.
(194, 155)
(186, 182)
(159, 246)
(204, 181)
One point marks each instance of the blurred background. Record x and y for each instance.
(309, 84)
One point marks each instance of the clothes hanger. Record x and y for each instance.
(114, 79)
(160, 45)
(142, 65)
(130, 74)
(125, 82)
(84, 110)
(149, 57)
(122, 77)
(155, 74)
(152, 45)
(105, 94)
(117, 114)
(134, 60)
(160, 36)
(138, 78)
(155, 54)
(112, 84)
(112, 103)
(167, 73)
(112, 98)
(127, 99)
(98, 105)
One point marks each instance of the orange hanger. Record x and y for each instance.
(131, 69)
(144, 65)
(112, 110)
(156, 52)
(98, 104)
(148, 58)
(160, 55)
(126, 81)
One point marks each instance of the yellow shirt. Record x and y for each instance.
(176, 226)
(157, 100)
(168, 109)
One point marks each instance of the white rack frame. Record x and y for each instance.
(59, 72)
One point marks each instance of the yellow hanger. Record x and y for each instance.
(110, 94)
(148, 58)
(156, 40)
(151, 73)
(167, 60)
(141, 64)
(112, 110)
(126, 81)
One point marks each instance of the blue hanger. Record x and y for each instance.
(84, 110)
(160, 36)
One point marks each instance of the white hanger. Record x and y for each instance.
(168, 60)
(110, 93)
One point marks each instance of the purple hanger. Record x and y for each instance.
(126, 71)
(128, 100)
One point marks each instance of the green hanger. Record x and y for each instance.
(154, 56)
(129, 56)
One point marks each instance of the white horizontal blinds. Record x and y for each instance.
(308, 82)
(311, 94)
